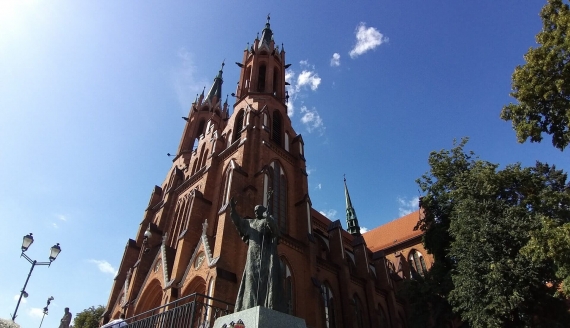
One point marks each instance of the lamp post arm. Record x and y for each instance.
(27, 257)
(23, 289)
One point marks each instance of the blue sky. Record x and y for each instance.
(91, 95)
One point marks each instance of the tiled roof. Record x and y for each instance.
(393, 232)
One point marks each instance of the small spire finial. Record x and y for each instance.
(268, 18)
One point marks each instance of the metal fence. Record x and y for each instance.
(196, 311)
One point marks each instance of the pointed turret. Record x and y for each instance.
(216, 90)
(267, 34)
(351, 221)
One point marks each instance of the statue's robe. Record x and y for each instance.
(261, 282)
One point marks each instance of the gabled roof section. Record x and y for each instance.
(394, 232)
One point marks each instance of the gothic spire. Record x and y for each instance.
(267, 34)
(351, 221)
(216, 89)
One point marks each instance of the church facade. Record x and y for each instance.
(187, 243)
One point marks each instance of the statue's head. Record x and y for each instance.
(66, 310)
(259, 211)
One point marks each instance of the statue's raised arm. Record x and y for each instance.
(242, 225)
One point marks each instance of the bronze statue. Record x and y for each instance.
(66, 319)
(261, 283)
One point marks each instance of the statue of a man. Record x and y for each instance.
(66, 319)
(261, 283)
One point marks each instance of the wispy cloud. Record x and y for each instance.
(310, 170)
(186, 84)
(319, 187)
(335, 60)
(364, 230)
(104, 266)
(366, 40)
(61, 217)
(54, 225)
(17, 296)
(407, 206)
(35, 312)
(330, 214)
(308, 79)
(312, 120)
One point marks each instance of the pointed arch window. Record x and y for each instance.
(261, 79)
(238, 126)
(275, 82)
(277, 128)
(200, 130)
(227, 185)
(382, 319)
(357, 311)
(288, 286)
(278, 206)
(417, 262)
(180, 218)
(204, 158)
(328, 306)
(247, 78)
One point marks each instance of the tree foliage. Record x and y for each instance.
(88, 318)
(542, 85)
(495, 235)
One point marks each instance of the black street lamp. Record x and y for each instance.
(46, 310)
(26, 243)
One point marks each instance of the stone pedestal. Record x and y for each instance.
(260, 317)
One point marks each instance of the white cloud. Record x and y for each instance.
(289, 76)
(335, 60)
(366, 39)
(54, 225)
(299, 84)
(310, 170)
(186, 85)
(312, 120)
(61, 217)
(36, 312)
(364, 230)
(17, 296)
(308, 78)
(319, 187)
(408, 206)
(104, 266)
(305, 63)
(330, 214)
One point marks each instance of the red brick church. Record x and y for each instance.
(187, 244)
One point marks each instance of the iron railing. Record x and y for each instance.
(195, 311)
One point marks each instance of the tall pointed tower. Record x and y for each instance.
(351, 221)
(186, 242)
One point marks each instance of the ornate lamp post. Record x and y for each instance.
(26, 243)
(46, 310)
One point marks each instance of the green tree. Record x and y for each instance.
(542, 85)
(489, 231)
(88, 318)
